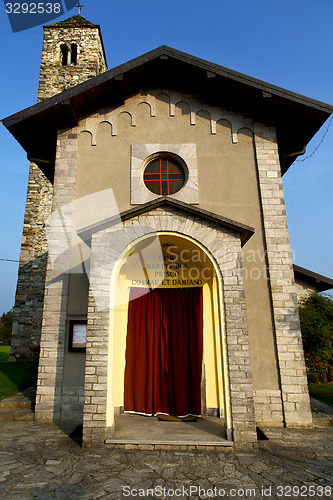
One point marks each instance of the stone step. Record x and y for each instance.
(322, 414)
(20, 401)
(15, 403)
(16, 415)
(19, 407)
(322, 422)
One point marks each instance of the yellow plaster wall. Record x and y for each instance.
(212, 347)
(118, 330)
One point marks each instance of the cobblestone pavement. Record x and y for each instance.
(40, 461)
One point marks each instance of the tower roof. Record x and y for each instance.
(74, 22)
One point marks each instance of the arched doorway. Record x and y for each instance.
(166, 266)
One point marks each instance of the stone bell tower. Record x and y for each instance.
(72, 53)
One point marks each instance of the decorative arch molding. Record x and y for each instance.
(246, 131)
(223, 244)
(237, 120)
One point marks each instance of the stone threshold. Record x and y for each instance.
(161, 442)
(132, 431)
(222, 448)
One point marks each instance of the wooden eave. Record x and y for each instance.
(297, 118)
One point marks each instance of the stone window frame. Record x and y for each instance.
(142, 153)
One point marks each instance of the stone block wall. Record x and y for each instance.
(72, 402)
(294, 388)
(28, 308)
(52, 345)
(268, 407)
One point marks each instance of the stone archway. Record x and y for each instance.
(223, 244)
(167, 260)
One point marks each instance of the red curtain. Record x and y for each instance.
(164, 351)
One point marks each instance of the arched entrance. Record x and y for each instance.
(167, 353)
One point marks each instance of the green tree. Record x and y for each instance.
(316, 315)
(6, 322)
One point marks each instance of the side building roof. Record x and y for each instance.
(321, 283)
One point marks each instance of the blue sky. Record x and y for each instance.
(288, 43)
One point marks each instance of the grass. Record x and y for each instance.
(323, 392)
(15, 377)
(4, 352)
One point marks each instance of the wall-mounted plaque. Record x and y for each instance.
(77, 335)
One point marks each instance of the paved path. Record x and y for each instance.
(39, 461)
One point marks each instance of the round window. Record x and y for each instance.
(164, 176)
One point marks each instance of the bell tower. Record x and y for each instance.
(73, 52)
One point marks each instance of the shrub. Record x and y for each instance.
(316, 315)
(6, 322)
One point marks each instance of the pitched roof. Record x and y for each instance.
(73, 22)
(296, 118)
(245, 231)
(321, 283)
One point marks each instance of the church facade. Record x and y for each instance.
(169, 283)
